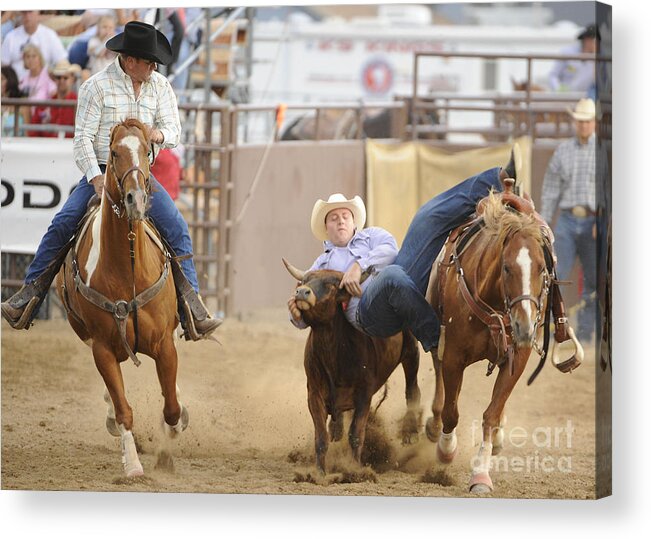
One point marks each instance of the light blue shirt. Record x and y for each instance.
(371, 246)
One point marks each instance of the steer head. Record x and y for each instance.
(317, 293)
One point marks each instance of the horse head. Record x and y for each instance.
(127, 173)
(524, 275)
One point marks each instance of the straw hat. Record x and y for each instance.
(584, 110)
(63, 67)
(336, 201)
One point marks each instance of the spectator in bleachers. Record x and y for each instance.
(98, 55)
(10, 88)
(31, 32)
(36, 82)
(65, 76)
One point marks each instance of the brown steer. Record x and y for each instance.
(345, 367)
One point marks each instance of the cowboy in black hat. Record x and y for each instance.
(577, 75)
(130, 87)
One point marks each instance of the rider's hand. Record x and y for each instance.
(98, 184)
(156, 135)
(293, 309)
(350, 280)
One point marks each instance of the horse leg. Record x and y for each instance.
(434, 424)
(357, 432)
(447, 446)
(319, 416)
(109, 368)
(498, 435)
(175, 417)
(480, 481)
(111, 423)
(410, 422)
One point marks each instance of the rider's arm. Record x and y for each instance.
(89, 114)
(167, 114)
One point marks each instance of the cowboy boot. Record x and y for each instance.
(21, 308)
(197, 320)
(510, 170)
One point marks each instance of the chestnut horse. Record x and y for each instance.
(492, 288)
(118, 290)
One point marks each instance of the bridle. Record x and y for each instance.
(499, 323)
(119, 209)
(538, 302)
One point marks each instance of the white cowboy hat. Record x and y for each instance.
(63, 67)
(584, 110)
(336, 201)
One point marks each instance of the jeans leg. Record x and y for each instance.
(436, 219)
(172, 226)
(587, 252)
(391, 303)
(564, 245)
(61, 229)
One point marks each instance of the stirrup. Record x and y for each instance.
(190, 330)
(26, 318)
(570, 345)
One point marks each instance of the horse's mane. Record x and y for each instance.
(134, 122)
(501, 222)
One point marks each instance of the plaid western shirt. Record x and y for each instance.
(570, 178)
(107, 98)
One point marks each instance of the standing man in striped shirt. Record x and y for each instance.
(569, 186)
(130, 87)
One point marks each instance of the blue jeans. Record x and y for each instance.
(163, 211)
(395, 299)
(574, 238)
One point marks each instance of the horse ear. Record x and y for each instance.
(112, 133)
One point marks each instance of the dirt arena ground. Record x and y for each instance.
(250, 430)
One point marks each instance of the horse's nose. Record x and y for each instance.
(523, 331)
(136, 203)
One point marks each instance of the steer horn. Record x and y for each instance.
(295, 272)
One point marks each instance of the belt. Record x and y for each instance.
(581, 211)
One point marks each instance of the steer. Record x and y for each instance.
(346, 367)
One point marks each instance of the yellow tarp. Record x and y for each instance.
(401, 177)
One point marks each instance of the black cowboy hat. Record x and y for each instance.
(142, 40)
(589, 31)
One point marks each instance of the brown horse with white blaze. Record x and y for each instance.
(118, 290)
(492, 288)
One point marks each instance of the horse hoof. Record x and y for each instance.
(481, 483)
(173, 430)
(432, 430)
(135, 471)
(480, 489)
(445, 458)
(112, 426)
